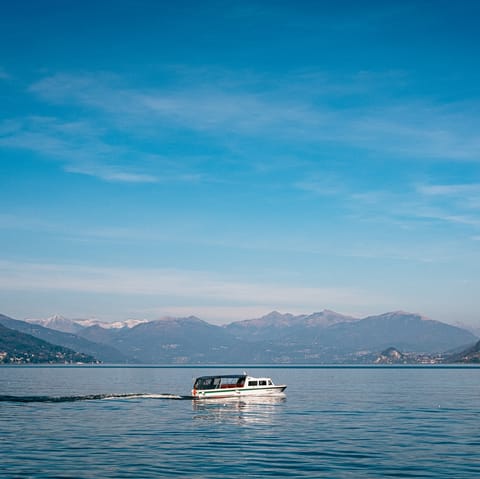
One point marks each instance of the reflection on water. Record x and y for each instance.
(245, 410)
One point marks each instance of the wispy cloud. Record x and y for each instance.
(323, 185)
(111, 173)
(77, 145)
(296, 107)
(200, 107)
(437, 214)
(455, 203)
(15, 222)
(122, 126)
(465, 189)
(185, 287)
(413, 207)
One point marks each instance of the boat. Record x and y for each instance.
(234, 385)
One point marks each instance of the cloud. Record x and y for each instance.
(296, 107)
(201, 107)
(323, 185)
(111, 174)
(14, 222)
(449, 190)
(94, 90)
(449, 217)
(420, 209)
(76, 145)
(185, 287)
(418, 129)
(454, 203)
(123, 126)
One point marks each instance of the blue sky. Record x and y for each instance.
(225, 159)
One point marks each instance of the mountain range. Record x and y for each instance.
(21, 348)
(321, 337)
(66, 325)
(101, 352)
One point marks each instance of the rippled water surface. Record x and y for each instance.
(333, 423)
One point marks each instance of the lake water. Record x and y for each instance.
(333, 423)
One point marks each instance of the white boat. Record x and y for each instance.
(234, 385)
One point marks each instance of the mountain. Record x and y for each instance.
(128, 323)
(276, 338)
(391, 356)
(474, 329)
(57, 322)
(278, 326)
(329, 329)
(169, 340)
(469, 355)
(409, 332)
(21, 348)
(60, 323)
(330, 337)
(101, 352)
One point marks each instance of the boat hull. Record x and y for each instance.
(238, 392)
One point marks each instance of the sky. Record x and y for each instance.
(228, 158)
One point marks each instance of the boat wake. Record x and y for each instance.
(88, 397)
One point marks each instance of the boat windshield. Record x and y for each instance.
(217, 382)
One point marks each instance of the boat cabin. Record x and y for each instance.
(229, 381)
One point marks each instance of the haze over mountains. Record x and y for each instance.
(322, 337)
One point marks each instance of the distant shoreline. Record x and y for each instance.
(246, 366)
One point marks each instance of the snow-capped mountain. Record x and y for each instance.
(58, 323)
(66, 325)
(321, 337)
(128, 323)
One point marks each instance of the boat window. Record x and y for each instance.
(232, 382)
(262, 383)
(219, 382)
(253, 383)
(270, 382)
(207, 383)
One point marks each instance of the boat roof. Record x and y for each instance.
(224, 376)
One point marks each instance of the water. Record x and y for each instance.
(333, 423)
